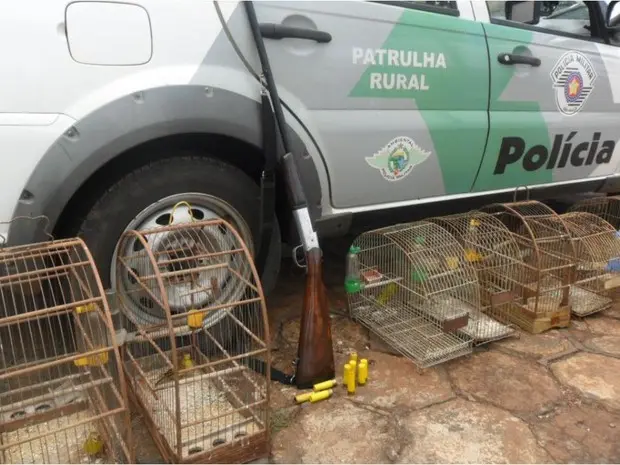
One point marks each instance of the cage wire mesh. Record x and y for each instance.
(597, 249)
(605, 207)
(198, 363)
(548, 256)
(62, 391)
(417, 293)
(491, 249)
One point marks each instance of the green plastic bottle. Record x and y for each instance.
(353, 277)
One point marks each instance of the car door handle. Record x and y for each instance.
(278, 31)
(512, 59)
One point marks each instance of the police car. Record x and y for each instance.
(113, 112)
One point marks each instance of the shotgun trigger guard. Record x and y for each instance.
(300, 263)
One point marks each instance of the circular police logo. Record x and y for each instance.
(573, 79)
(397, 159)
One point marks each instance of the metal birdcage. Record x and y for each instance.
(605, 207)
(597, 248)
(63, 395)
(491, 249)
(198, 365)
(548, 256)
(416, 291)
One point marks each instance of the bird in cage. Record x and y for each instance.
(186, 362)
(93, 445)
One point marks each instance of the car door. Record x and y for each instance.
(397, 98)
(553, 114)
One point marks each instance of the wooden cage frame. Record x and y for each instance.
(606, 207)
(64, 396)
(224, 373)
(597, 248)
(548, 256)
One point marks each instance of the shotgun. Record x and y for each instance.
(315, 356)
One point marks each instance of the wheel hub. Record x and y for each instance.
(215, 286)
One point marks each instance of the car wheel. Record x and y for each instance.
(145, 199)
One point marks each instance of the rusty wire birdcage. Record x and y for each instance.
(491, 249)
(605, 207)
(548, 256)
(198, 365)
(63, 396)
(416, 291)
(597, 249)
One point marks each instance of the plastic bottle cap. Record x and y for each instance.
(355, 249)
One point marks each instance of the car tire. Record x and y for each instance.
(185, 173)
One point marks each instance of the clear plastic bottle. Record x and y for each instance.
(353, 277)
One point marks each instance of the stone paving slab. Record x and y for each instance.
(594, 376)
(535, 345)
(605, 344)
(335, 431)
(580, 434)
(612, 313)
(460, 431)
(396, 382)
(603, 325)
(513, 383)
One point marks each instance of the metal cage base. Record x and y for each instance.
(244, 450)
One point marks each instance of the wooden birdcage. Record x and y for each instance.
(198, 365)
(491, 249)
(605, 207)
(597, 248)
(548, 256)
(416, 291)
(62, 390)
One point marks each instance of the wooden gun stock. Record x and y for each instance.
(316, 354)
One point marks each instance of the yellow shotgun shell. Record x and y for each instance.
(353, 357)
(316, 396)
(353, 364)
(362, 372)
(346, 373)
(351, 382)
(301, 398)
(324, 385)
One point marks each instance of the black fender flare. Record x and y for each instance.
(130, 121)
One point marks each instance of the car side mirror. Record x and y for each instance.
(612, 17)
(527, 12)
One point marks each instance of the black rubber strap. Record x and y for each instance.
(268, 182)
(276, 375)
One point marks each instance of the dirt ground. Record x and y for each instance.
(549, 398)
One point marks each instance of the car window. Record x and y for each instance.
(559, 17)
(442, 4)
(446, 8)
(423, 5)
(575, 11)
